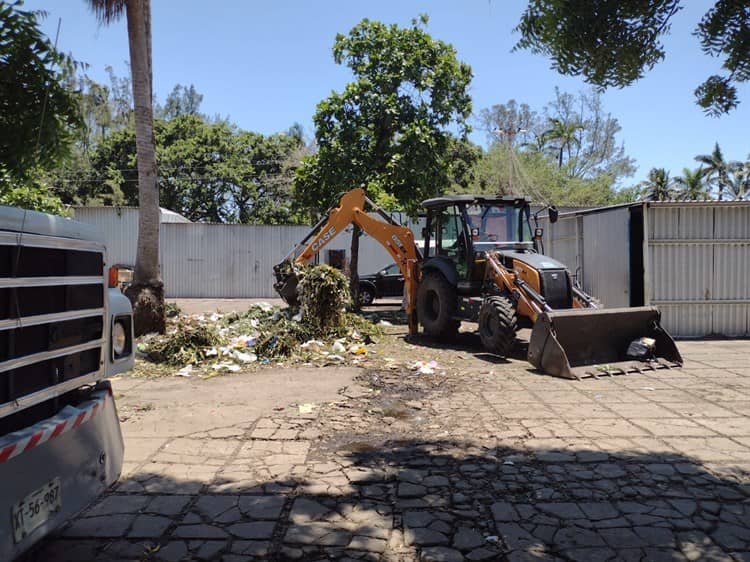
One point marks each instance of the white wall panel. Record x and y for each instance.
(606, 252)
(699, 260)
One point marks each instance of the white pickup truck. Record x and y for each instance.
(64, 328)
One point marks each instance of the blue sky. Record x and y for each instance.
(266, 64)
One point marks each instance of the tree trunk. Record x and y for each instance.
(354, 268)
(147, 290)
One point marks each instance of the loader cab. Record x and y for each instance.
(461, 228)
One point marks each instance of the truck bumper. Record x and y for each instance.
(81, 446)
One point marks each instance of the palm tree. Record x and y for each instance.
(691, 185)
(738, 180)
(147, 290)
(658, 186)
(715, 170)
(564, 135)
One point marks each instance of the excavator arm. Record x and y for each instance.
(396, 239)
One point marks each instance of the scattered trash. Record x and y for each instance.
(492, 538)
(264, 306)
(509, 463)
(425, 368)
(186, 371)
(226, 367)
(321, 333)
(306, 408)
(358, 349)
(384, 323)
(245, 357)
(642, 348)
(313, 345)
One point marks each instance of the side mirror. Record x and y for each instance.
(382, 272)
(553, 214)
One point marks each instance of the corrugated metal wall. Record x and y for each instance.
(218, 260)
(595, 248)
(698, 264)
(606, 256)
(222, 261)
(118, 227)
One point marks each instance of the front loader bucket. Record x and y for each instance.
(585, 342)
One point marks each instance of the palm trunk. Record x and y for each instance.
(147, 291)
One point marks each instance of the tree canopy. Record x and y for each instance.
(613, 43)
(567, 153)
(37, 110)
(209, 170)
(397, 129)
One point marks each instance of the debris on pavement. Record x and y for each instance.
(321, 332)
(424, 367)
(306, 408)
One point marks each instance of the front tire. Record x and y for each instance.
(497, 325)
(436, 306)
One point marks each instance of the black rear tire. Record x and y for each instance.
(497, 325)
(436, 306)
(366, 296)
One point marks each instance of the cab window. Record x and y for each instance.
(448, 232)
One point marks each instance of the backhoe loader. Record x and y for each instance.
(482, 263)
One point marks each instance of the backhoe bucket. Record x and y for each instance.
(286, 282)
(584, 342)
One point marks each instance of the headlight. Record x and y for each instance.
(119, 338)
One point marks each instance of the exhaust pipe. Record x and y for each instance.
(580, 343)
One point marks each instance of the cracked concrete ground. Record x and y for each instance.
(487, 461)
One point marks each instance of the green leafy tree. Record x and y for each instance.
(147, 290)
(613, 43)
(396, 128)
(575, 129)
(182, 100)
(715, 169)
(31, 192)
(691, 185)
(210, 172)
(38, 113)
(659, 186)
(536, 175)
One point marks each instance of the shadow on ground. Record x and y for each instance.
(437, 500)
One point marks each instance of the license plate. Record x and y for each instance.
(35, 509)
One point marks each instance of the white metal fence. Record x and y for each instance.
(694, 261)
(698, 267)
(218, 260)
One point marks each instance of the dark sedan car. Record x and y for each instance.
(387, 282)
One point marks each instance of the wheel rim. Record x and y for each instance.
(365, 297)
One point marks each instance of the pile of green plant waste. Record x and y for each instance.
(185, 342)
(324, 294)
(321, 332)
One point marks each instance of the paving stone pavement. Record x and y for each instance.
(493, 462)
